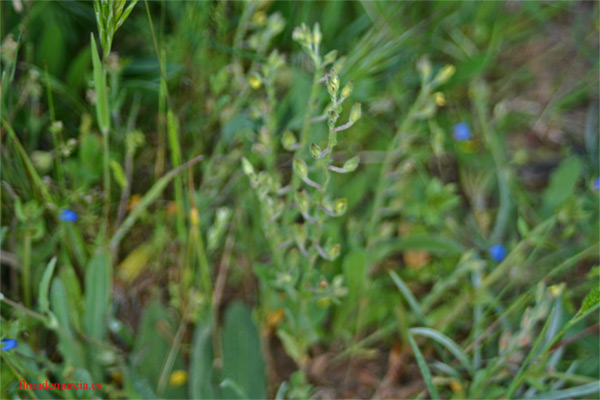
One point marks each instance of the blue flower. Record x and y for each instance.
(462, 132)
(498, 252)
(596, 184)
(8, 344)
(68, 215)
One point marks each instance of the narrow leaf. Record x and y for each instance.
(45, 286)
(425, 373)
(447, 343)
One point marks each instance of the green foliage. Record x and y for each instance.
(336, 222)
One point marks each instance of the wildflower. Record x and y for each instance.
(8, 344)
(68, 215)
(255, 82)
(462, 132)
(596, 184)
(439, 99)
(498, 252)
(259, 18)
(178, 378)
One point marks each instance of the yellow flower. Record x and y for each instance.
(255, 82)
(178, 378)
(259, 18)
(440, 99)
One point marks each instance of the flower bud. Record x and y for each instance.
(424, 68)
(288, 140)
(254, 81)
(333, 83)
(351, 164)
(315, 150)
(333, 251)
(347, 90)
(339, 64)
(445, 73)
(302, 201)
(247, 167)
(317, 35)
(300, 168)
(356, 112)
(298, 34)
(340, 206)
(330, 57)
(300, 233)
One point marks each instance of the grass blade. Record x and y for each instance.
(576, 391)
(45, 286)
(410, 299)
(424, 368)
(447, 343)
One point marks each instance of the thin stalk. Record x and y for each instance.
(387, 164)
(106, 174)
(27, 269)
(171, 357)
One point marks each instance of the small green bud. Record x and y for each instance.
(424, 68)
(332, 118)
(302, 201)
(315, 150)
(300, 168)
(333, 83)
(300, 233)
(288, 140)
(351, 164)
(298, 34)
(445, 73)
(339, 64)
(356, 112)
(330, 57)
(333, 251)
(247, 167)
(42, 160)
(347, 90)
(340, 206)
(317, 35)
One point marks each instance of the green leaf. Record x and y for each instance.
(420, 241)
(201, 363)
(45, 285)
(242, 359)
(576, 391)
(69, 347)
(410, 299)
(562, 184)
(425, 373)
(589, 304)
(447, 343)
(98, 280)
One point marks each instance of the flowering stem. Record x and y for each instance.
(387, 164)
(27, 269)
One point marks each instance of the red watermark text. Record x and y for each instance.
(60, 386)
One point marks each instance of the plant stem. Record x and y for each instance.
(27, 269)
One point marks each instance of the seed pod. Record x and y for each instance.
(351, 164)
(315, 150)
(300, 168)
(333, 83)
(333, 251)
(330, 57)
(288, 140)
(424, 68)
(340, 206)
(445, 73)
(317, 35)
(247, 167)
(300, 234)
(302, 201)
(356, 112)
(347, 90)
